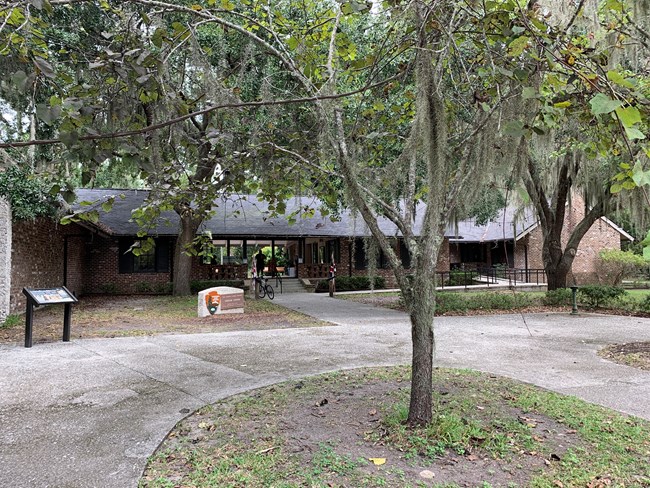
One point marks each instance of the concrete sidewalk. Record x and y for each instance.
(88, 413)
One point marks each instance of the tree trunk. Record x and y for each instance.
(556, 276)
(183, 262)
(422, 310)
(553, 256)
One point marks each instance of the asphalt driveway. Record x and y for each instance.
(89, 412)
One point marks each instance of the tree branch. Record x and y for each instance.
(212, 108)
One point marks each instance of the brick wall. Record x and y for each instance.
(101, 271)
(76, 260)
(599, 237)
(5, 259)
(37, 257)
(346, 266)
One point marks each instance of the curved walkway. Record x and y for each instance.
(89, 412)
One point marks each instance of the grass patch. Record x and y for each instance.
(327, 430)
(10, 321)
(639, 294)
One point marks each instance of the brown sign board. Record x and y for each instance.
(232, 301)
(48, 296)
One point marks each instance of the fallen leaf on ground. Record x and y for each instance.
(427, 475)
(377, 461)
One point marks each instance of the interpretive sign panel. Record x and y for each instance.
(48, 296)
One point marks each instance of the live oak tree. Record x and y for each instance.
(133, 69)
(586, 121)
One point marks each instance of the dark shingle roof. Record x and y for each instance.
(248, 217)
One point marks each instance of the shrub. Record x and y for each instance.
(199, 285)
(164, 288)
(599, 295)
(616, 265)
(561, 296)
(460, 278)
(108, 288)
(499, 301)
(644, 305)
(450, 302)
(143, 287)
(351, 283)
(460, 302)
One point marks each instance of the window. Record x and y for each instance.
(361, 259)
(405, 255)
(332, 248)
(155, 260)
(145, 261)
(315, 253)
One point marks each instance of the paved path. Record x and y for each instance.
(88, 413)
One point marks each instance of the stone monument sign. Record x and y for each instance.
(220, 299)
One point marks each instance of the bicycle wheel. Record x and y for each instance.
(261, 292)
(270, 292)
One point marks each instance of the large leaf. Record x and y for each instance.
(602, 104)
(634, 133)
(640, 177)
(518, 46)
(619, 79)
(628, 116)
(515, 128)
(44, 67)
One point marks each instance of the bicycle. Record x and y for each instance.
(264, 289)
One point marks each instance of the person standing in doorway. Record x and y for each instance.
(259, 263)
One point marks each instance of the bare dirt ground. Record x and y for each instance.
(115, 316)
(333, 429)
(634, 354)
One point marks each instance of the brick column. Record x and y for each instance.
(5, 258)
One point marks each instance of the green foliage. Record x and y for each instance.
(109, 288)
(199, 285)
(10, 321)
(164, 288)
(461, 278)
(451, 302)
(600, 295)
(616, 265)
(351, 283)
(146, 287)
(143, 287)
(644, 304)
(26, 193)
(561, 296)
(486, 207)
(460, 302)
